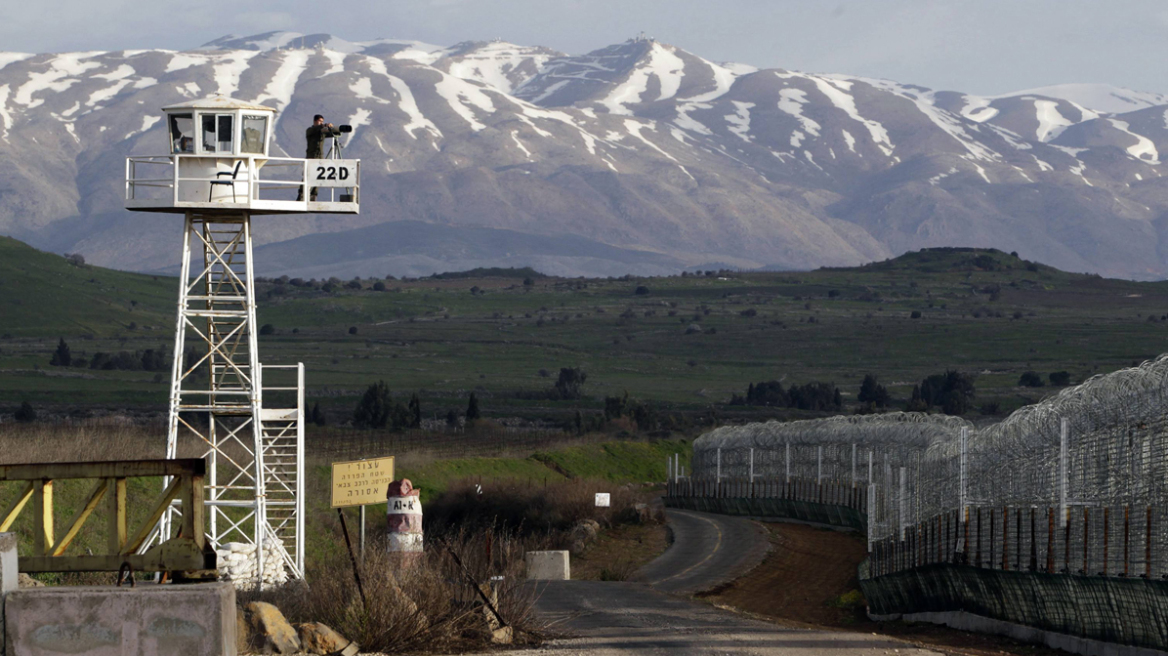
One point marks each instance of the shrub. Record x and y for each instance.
(472, 408)
(352, 330)
(378, 286)
(1030, 379)
(1060, 378)
(749, 312)
(951, 390)
(568, 385)
(25, 413)
(267, 329)
(641, 290)
(916, 314)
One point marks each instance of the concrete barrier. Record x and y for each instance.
(547, 566)
(9, 576)
(148, 620)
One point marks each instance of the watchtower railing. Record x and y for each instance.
(259, 184)
(186, 552)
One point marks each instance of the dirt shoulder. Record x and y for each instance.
(619, 551)
(809, 580)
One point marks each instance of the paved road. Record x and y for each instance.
(615, 619)
(707, 551)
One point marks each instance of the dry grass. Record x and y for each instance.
(430, 607)
(525, 509)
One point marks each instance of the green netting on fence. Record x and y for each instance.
(1129, 611)
(806, 511)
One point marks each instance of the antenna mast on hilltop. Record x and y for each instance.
(254, 446)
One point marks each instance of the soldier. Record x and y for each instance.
(316, 134)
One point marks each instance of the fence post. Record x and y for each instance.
(752, 472)
(1064, 436)
(901, 503)
(718, 474)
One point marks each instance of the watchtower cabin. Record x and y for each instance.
(245, 418)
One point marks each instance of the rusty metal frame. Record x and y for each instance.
(187, 552)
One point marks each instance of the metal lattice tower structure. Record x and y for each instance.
(254, 447)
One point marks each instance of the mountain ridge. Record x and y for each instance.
(641, 146)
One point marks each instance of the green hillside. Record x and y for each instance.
(45, 294)
(682, 344)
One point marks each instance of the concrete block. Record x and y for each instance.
(547, 566)
(9, 576)
(148, 620)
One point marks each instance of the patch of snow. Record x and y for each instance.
(634, 128)
(182, 60)
(336, 61)
(408, 105)
(1042, 166)
(143, 82)
(190, 89)
(723, 80)
(360, 117)
(792, 101)
(1143, 150)
(739, 68)
(977, 109)
(850, 141)
(229, 69)
(526, 152)
(72, 110)
(69, 127)
(552, 88)
(1011, 137)
(102, 95)
(589, 112)
(459, 93)
(796, 139)
(1050, 122)
(423, 53)
(5, 115)
(807, 154)
(283, 83)
(147, 123)
(687, 122)
(120, 73)
(678, 134)
(941, 176)
(662, 63)
(740, 120)
(7, 58)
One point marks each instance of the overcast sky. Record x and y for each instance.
(976, 46)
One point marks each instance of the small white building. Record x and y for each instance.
(218, 159)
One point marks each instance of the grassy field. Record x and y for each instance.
(610, 464)
(684, 343)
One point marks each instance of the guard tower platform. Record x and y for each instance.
(219, 161)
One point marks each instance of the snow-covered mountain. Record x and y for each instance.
(639, 157)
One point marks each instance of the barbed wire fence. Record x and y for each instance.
(1073, 484)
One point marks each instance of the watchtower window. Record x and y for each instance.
(182, 133)
(254, 129)
(217, 133)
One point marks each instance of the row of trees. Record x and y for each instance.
(148, 360)
(810, 396)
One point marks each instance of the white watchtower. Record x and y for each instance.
(218, 174)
